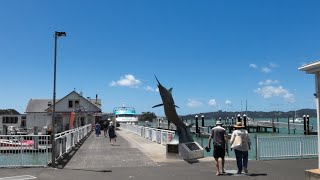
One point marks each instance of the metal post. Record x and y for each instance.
(202, 120)
(245, 121)
(239, 118)
(56, 35)
(197, 125)
(304, 125)
(53, 150)
(308, 123)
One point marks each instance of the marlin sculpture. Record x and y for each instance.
(171, 114)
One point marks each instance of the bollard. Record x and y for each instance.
(304, 125)
(245, 121)
(197, 125)
(278, 126)
(202, 120)
(308, 122)
(288, 125)
(239, 118)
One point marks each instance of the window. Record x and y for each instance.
(9, 120)
(70, 104)
(76, 103)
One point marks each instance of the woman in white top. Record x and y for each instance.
(242, 150)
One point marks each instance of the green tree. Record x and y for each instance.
(147, 116)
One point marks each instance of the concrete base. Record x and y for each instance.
(186, 151)
(312, 174)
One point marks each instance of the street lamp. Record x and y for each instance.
(53, 151)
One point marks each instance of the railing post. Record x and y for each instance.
(257, 146)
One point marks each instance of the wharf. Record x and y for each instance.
(133, 157)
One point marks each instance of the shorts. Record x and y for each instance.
(219, 152)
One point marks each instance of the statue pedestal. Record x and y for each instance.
(186, 151)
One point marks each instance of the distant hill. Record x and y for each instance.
(255, 114)
(9, 111)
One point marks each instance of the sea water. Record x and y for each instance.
(203, 141)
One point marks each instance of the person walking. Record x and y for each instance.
(240, 142)
(220, 140)
(105, 128)
(98, 129)
(112, 133)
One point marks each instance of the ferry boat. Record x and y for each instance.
(125, 115)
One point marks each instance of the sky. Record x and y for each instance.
(216, 55)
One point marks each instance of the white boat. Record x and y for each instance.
(125, 115)
(296, 120)
(16, 142)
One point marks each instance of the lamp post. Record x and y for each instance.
(53, 151)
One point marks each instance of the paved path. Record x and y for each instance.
(137, 158)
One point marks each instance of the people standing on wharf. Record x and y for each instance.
(105, 128)
(220, 140)
(241, 151)
(98, 129)
(112, 133)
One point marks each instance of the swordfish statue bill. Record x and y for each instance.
(171, 114)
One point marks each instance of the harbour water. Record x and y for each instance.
(203, 141)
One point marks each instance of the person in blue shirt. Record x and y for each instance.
(98, 129)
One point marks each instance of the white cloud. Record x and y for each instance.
(265, 70)
(193, 103)
(272, 91)
(253, 66)
(273, 65)
(128, 80)
(228, 102)
(150, 89)
(268, 82)
(212, 102)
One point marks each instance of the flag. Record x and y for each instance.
(72, 118)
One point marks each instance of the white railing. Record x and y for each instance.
(24, 150)
(159, 136)
(35, 150)
(67, 140)
(286, 147)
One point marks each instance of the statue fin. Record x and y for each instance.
(157, 105)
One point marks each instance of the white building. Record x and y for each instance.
(73, 108)
(16, 120)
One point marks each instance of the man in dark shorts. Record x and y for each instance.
(105, 128)
(220, 140)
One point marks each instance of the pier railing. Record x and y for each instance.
(286, 147)
(67, 140)
(24, 150)
(35, 150)
(159, 136)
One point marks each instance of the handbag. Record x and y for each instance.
(237, 142)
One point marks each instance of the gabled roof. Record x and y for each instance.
(38, 105)
(42, 105)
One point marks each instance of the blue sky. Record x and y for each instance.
(215, 54)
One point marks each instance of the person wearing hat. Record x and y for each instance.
(241, 149)
(112, 133)
(220, 140)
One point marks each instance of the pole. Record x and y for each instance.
(202, 120)
(317, 78)
(308, 123)
(53, 150)
(304, 125)
(197, 125)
